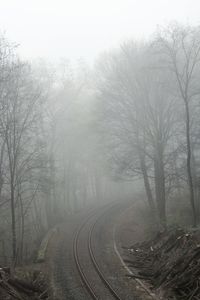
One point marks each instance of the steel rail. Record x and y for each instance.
(81, 272)
(78, 265)
(96, 265)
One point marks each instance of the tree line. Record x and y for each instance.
(46, 171)
(66, 135)
(148, 103)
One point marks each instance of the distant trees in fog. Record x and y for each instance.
(147, 93)
(66, 135)
(20, 116)
(75, 152)
(180, 51)
(47, 164)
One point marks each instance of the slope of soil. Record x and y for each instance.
(170, 262)
(26, 283)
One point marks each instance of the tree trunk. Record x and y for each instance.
(67, 188)
(14, 239)
(189, 168)
(21, 251)
(147, 184)
(160, 186)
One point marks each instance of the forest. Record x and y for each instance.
(71, 136)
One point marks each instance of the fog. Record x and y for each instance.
(83, 29)
(99, 102)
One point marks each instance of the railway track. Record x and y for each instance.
(91, 255)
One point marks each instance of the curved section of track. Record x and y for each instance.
(84, 278)
(91, 256)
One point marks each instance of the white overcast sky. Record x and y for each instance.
(84, 28)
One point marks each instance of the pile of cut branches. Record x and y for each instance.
(13, 287)
(171, 261)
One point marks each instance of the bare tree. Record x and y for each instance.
(18, 118)
(137, 118)
(179, 48)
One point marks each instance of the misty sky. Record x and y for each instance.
(83, 28)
